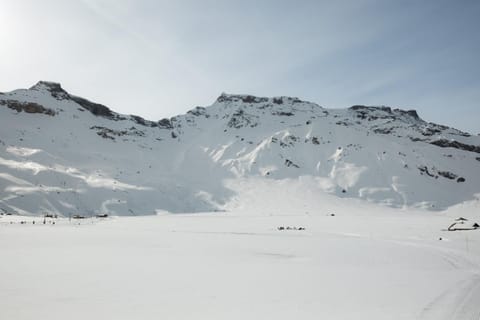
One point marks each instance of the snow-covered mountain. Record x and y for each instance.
(64, 154)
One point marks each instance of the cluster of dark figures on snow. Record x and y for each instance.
(281, 228)
(34, 222)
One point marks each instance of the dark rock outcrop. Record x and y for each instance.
(383, 130)
(410, 113)
(165, 124)
(242, 119)
(108, 133)
(243, 98)
(369, 108)
(28, 107)
(54, 88)
(428, 131)
(448, 175)
(141, 121)
(424, 169)
(95, 108)
(372, 113)
(283, 113)
(278, 100)
(198, 111)
(443, 143)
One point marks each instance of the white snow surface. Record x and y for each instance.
(69, 160)
(365, 262)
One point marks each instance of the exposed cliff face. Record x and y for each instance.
(28, 107)
(63, 153)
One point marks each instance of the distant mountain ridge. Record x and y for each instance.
(65, 154)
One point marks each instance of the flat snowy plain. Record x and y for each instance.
(366, 262)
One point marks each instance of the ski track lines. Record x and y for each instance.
(459, 302)
(468, 307)
(463, 299)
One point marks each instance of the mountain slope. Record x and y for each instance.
(64, 154)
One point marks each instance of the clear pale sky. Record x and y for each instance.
(161, 58)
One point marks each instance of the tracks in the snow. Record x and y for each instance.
(461, 302)
(468, 308)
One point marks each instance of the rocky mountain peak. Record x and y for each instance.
(250, 99)
(383, 112)
(54, 88)
(224, 97)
